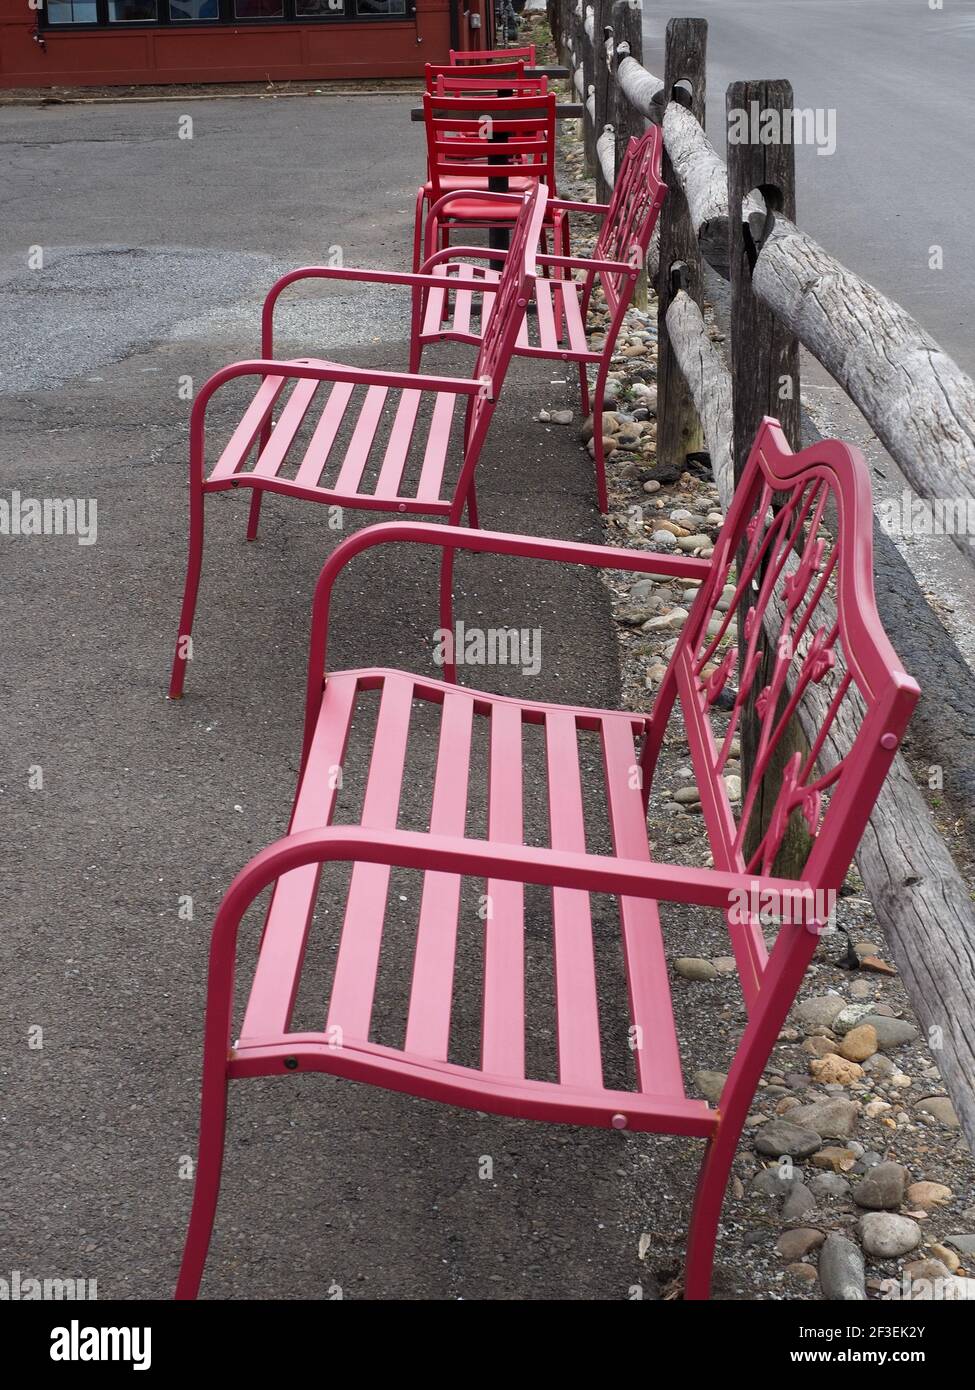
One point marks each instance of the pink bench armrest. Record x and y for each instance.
(484, 542)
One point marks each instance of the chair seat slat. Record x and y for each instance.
(428, 1026)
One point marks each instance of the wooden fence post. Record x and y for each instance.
(587, 40)
(603, 45)
(678, 427)
(765, 371)
(627, 21)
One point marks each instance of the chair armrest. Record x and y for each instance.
(484, 542)
(592, 873)
(406, 279)
(565, 205)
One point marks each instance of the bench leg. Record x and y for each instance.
(206, 1188)
(599, 459)
(584, 392)
(447, 607)
(193, 566)
(254, 515)
(712, 1182)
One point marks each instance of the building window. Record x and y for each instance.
(180, 11)
(259, 9)
(72, 12)
(152, 13)
(131, 11)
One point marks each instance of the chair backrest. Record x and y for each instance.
(634, 207)
(432, 71)
(451, 85)
(799, 538)
(513, 293)
(460, 57)
(489, 137)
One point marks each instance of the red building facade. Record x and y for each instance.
(84, 43)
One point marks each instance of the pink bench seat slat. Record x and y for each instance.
(655, 1047)
(503, 1025)
(254, 419)
(273, 454)
(292, 903)
(428, 1026)
(400, 437)
(320, 446)
(568, 293)
(357, 454)
(350, 1005)
(580, 1060)
(547, 333)
(438, 442)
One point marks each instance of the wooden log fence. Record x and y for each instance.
(914, 396)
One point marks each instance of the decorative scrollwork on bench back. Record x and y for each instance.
(799, 625)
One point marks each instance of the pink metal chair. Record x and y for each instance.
(382, 441)
(557, 331)
(794, 573)
(481, 142)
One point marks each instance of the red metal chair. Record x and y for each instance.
(790, 570)
(362, 452)
(558, 330)
(475, 143)
(460, 57)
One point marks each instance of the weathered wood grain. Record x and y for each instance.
(915, 397)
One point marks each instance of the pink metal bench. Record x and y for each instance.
(381, 441)
(794, 570)
(558, 328)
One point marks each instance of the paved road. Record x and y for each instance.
(899, 77)
(156, 252)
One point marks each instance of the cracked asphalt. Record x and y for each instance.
(119, 806)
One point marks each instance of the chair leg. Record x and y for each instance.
(254, 515)
(447, 605)
(599, 458)
(193, 566)
(206, 1188)
(708, 1200)
(472, 508)
(584, 389)
(418, 230)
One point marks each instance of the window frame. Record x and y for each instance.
(225, 18)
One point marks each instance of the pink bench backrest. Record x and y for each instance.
(513, 294)
(638, 195)
(829, 639)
